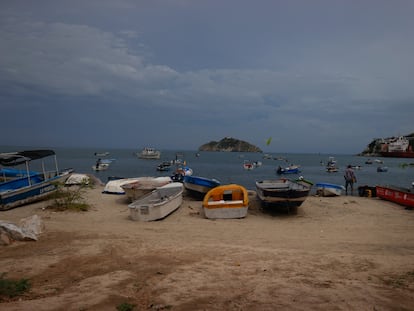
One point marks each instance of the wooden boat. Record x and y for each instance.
(399, 195)
(149, 153)
(158, 204)
(33, 186)
(199, 185)
(226, 201)
(143, 185)
(329, 190)
(283, 191)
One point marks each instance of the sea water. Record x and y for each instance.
(227, 167)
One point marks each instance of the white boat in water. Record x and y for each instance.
(143, 185)
(34, 185)
(329, 190)
(149, 153)
(158, 204)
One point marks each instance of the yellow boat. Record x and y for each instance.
(226, 201)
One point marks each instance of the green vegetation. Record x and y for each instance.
(12, 288)
(69, 198)
(125, 306)
(403, 280)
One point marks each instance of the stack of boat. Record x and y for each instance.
(143, 185)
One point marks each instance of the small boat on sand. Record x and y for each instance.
(329, 190)
(282, 192)
(399, 195)
(114, 186)
(158, 204)
(226, 201)
(199, 185)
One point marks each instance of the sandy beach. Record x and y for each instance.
(341, 253)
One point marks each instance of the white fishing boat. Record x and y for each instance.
(149, 153)
(143, 185)
(158, 204)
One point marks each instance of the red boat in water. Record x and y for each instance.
(403, 196)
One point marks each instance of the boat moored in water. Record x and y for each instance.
(149, 153)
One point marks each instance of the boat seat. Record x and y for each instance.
(221, 202)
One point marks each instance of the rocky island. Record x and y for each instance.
(229, 144)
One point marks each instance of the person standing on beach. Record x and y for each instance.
(350, 179)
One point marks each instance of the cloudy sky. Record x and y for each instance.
(316, 75)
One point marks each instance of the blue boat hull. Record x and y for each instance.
(19, 192)
(199, 185)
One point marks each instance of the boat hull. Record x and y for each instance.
(398, 154)
(329, 190)
(225, 202)
(158, 204)
(199, 185)
(402, 196)
(18, 192)
(143, 185)
(283, 191)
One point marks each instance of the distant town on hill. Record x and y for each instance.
(374, 148)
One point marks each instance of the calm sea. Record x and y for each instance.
(227, 167)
